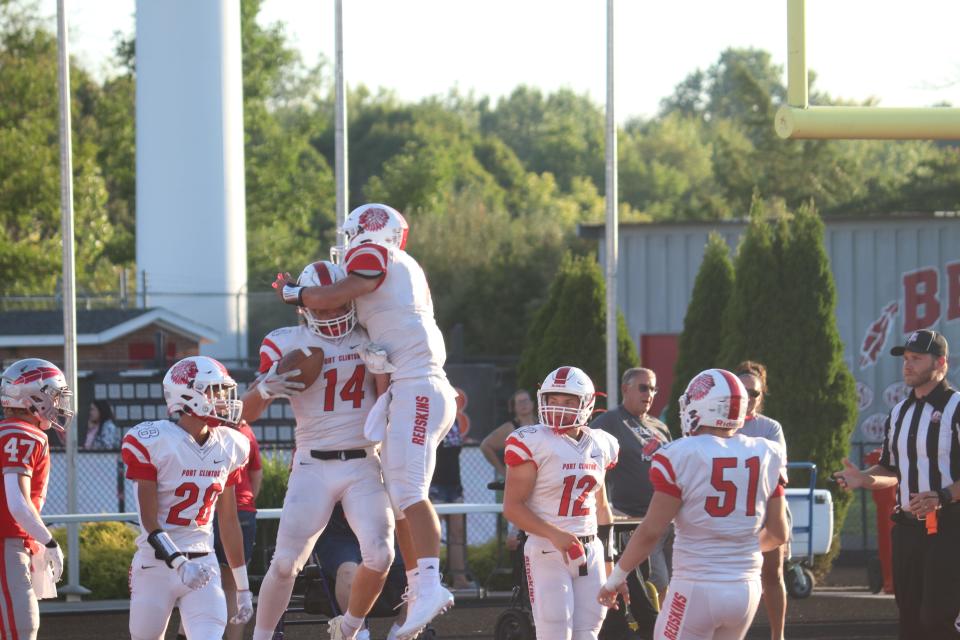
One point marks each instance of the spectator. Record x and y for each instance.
(446, 488)
(102, 432)
(753, 375)
(628, 484)
(520, 405)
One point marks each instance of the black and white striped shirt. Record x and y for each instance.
(921, 442)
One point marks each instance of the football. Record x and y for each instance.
(308, 359)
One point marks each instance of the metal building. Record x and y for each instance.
(894, 275)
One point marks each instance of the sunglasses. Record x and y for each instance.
(753, 393)
(646, 388)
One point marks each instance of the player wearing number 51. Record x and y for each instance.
(35, 397)
(185, 469)
(555, 493)
(724, 493)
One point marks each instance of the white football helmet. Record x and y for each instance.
(714, 398)
(39, 387)
(200, 386)
(321, 274)
(570, 381)
(377, 223)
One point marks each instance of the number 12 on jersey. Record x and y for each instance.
(723, 505)
(575, 507)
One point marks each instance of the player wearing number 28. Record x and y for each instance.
(555, 493)
(186, 468)
(723, 491)
(334, 461)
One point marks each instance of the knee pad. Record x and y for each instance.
(377, 556)
(284, 565)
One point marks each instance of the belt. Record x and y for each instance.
(586, 539)
(193, 555)
(344, 454)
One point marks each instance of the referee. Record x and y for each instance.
(921, 457)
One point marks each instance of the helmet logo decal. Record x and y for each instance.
(374, 219)
(701, 386)
(40, 373)
(561, 378)
(184, 372)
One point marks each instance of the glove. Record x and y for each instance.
(193, 574)
(244, 607)
(277, 385)
(375, 357)
(53, 556)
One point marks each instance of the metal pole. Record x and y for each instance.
(797, 54)
(613, 384)
(73, 590)
(340, 132)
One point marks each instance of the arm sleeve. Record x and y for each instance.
(20, 509)
(367, 260)
(137, 458)
(663, 477)
(517, 452)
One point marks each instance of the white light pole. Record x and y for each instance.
(340, 133)
(613, 384)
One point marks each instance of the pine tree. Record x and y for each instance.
(812, 392)
(570, 328)
(701, 340)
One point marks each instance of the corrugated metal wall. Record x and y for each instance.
(869, 258)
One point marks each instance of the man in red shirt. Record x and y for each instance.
(35, 397)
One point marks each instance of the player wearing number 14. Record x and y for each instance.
(555, 493)
(185, 469)
(724, 493)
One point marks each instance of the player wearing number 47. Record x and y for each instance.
(555, 493)
(724, 492)
(186, 469)
(331, 394)
(35, 397)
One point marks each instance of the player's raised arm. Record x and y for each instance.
(328, 297)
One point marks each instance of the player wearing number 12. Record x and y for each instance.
(555, 493)
(724, 493)
(185, 469)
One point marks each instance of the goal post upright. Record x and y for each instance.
(798, 120)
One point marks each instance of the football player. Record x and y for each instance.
(35, 397)
(185, 469)
(555, 493)
(334, 461)
(723, 491)
(394, 305)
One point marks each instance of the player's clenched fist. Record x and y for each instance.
(193, 574)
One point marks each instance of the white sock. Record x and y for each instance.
(413, 579)
(262, 634)
(429, 573)
(350, 624)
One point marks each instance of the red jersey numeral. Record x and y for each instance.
(723, 505)
(190, 492)
(587, 483)
(352, 391)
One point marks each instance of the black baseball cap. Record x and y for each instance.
(923, 342)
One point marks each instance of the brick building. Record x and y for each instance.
(107, 339)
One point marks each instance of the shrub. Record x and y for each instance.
(106, 549)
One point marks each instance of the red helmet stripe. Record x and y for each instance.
(735, 396)
(323, 273)
(561, 378)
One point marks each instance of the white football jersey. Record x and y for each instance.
(398, 314)
(724, 485)
(189, 477)
(569, 473)
(330, 414)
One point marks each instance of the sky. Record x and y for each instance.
(903, 54)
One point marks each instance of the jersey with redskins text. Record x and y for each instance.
(569, 473)
(724, 485)
(330, 414)
(398, 314)
(24, 451)
(189, 476)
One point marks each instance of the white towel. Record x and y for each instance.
(41, 577)
(375, 427)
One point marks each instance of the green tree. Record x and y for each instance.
(570, 328)
(700, 343)
(812, 392)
